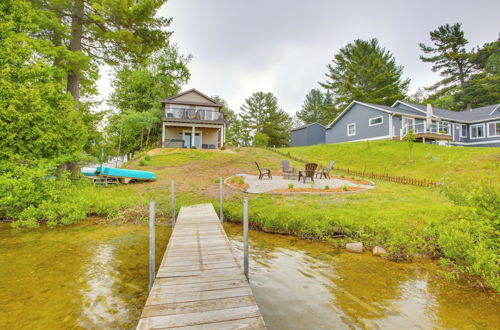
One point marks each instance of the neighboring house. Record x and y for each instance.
(308, 135)
(192, 119)
(362, 121)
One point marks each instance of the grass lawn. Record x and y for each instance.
(439, 163)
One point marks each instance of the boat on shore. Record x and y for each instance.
(109, 175)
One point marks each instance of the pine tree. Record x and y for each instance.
(448, 57)
(261, 114)
(92, 32)
(318, 107)
(364, 71)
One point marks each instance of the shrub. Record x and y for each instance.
(345, 188)
(327, 187)
(147, 158)
(241, 180)
(143, 162)
(290, 186)
(260, 140)
(217, 180)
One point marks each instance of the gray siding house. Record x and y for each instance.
(308, 135)
(361, 121)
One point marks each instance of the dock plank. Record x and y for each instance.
(200, 283)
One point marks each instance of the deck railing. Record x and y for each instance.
(440, 127)
(193, 114)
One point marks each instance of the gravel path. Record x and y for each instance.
(257, 186)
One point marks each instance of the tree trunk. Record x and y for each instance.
(75, 45)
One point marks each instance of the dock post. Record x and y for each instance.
(151, 244)
(221, 208)
(245, 237)
(173, 202)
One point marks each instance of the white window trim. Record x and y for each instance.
(461, 126)
(488, 125)
(370, 121)
(478, 137)
(351, 124)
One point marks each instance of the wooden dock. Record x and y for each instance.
(200, 283)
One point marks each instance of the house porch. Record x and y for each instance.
(201, 136)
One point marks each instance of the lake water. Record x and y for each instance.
(96, 276)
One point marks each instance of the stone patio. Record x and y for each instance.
(265, 185)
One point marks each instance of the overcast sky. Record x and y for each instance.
(283, 46)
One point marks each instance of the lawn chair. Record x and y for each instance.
(325, 172)
(263, 172)
(288, 172)
(309, 172)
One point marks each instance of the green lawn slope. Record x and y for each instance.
(438, 163)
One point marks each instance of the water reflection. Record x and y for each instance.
(311, 285)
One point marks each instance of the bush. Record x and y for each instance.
(143, 162)
(327, 187)
(290, 186)
(260, 140)
(345, 188)
(470, 243)
(39, 192)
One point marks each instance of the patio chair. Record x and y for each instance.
(288, 172)
(309, 172)
(263, 172)
(325, 172)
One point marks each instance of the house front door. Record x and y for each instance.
(186, 136)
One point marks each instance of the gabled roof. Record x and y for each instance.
(210, 101)
(305, 126)
(486, 113)
(474, 115)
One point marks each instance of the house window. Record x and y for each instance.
(463, 130)
(351, 129)
(376, 121)
(477, 131)
(494, 129)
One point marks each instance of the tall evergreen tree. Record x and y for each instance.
(448, 57)
(365, 71)
(261, 114)
(318, 107)
(92, 32)
(483, 87)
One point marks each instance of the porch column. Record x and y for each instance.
(192, 136)
(223, 135)
(163, 135)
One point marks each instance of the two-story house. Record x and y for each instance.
(361, 121)
(192, 119)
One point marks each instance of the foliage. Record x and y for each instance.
(367, 72)
(37, 191)
(448, 56)
(235, 135)
(260, 140)
(410, 138)
(137, 95)
(38, 118)
(290, 186)
(93, 32)
(261, 114)
(317, 108)
(470, 242)
(470, 78)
